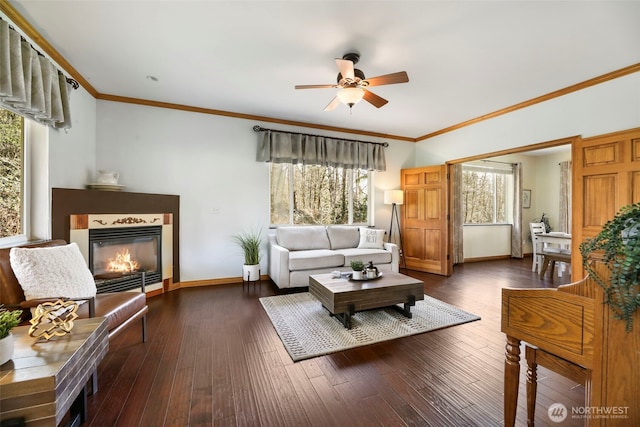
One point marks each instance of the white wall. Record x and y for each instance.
(72, 152)
(607, 107)
(209, 161)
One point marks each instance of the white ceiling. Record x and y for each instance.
(464, 59)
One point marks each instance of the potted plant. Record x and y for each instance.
(618, 246)
(8, 320)
(357, 266)
(250, 242)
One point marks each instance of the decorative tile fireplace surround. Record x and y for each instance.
(123, 249)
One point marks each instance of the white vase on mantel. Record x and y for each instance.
(6, 349)
(250, 272)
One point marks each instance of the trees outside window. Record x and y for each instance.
(487, 195)
(11, 174)
(310, 194)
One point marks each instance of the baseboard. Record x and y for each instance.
(487, 258)
(215, 282)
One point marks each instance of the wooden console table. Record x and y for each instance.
(44, 379)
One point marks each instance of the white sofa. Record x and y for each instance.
(296, 252)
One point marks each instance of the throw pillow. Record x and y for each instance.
(371, 238)
(52, 272)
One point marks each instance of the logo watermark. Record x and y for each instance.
(558, 412)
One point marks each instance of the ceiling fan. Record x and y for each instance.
(353, 84)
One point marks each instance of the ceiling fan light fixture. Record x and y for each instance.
(350, 96)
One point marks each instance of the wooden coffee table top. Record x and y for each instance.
(338, 294)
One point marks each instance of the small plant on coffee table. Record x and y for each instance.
(357, 265)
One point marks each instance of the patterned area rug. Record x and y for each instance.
(307, 330)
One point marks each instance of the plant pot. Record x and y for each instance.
(6, 349)
(357, 275)
(250, 273)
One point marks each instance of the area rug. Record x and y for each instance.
(307, 330)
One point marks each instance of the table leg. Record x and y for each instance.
(511, 380)
(345, 318)
(406, 311)
(79, 410)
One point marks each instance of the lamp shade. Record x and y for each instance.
(393, 196)
(350, 95)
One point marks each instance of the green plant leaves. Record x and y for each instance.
(619, 245)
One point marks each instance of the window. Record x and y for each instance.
(487, 194)
(13, 223)
(310, 194)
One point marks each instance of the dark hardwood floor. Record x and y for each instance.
(213, 358)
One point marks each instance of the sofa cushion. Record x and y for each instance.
(57, 271)
(371, 238)
(303, 238)
(343, 236)
(317, 258)
(377, 256)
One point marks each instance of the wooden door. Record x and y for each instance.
(425, 219)
(606, 176)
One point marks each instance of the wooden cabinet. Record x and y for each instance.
(606, 176)
(425, 219)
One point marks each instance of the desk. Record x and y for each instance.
(44, 379)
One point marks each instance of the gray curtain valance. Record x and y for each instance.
(30, 84)
(285, 147)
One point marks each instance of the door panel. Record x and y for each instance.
(413, 243)
(599, 199)
(425, 222)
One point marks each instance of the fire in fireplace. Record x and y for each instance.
(118, 257)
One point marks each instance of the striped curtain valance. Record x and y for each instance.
(30, 84)
(289, 147)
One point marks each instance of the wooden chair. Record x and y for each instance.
(537, 228)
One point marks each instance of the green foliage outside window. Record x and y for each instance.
(485, 196)
(11, 167)
(320, 194)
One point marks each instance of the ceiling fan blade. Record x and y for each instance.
(315, 86)
(346, 68)
(389, 79)
(374, 99)
(333, 104)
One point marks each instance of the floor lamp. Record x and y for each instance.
(394, 198)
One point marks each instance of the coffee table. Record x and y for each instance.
(343, 297)
(44, 380)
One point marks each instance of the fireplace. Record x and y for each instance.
(120, 258)
(122, 250)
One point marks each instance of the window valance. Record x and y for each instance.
(30, 84)
(289, 147)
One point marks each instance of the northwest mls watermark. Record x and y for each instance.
(558, 412)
